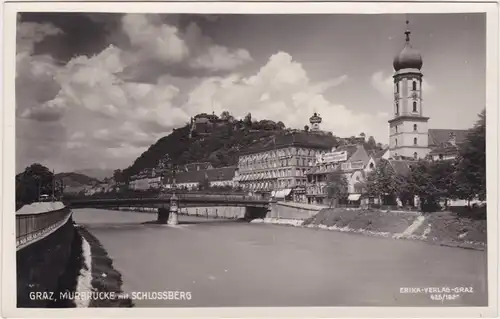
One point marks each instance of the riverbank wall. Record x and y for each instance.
(43, 263)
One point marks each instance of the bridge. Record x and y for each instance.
(169, 204)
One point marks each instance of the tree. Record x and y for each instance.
(226, 116)
(371, 144)
(383, 183)
(471, 162)
(337, 188)
(306, 128)
(117, 175)
(280, 126)
(248, 120)
(33, 182)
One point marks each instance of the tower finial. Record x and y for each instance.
(407, 32)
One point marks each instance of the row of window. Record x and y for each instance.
(275, 174)
(415, 141)
(415, 128)
(413, 86)
(254, 158)
(273, 185)
(274, 163)
(414, 107)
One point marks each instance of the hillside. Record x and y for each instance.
(75, 179)
(96, 173)
(220, 146)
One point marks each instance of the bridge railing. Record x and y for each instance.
(31, 227)
(180, 196)
(222, 197)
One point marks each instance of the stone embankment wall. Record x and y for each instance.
(211, 212)
(42, 266)
(288, 210)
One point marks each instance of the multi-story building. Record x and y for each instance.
(149, 178)
(192, 179)
(281, 164)
(353, 161)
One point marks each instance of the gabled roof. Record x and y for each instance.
(450, 150)
(401, 167)
(441, 136)
(360, 154)
(377, 154)
(298, 139)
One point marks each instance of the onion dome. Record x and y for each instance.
(315, 118)
(408, 58)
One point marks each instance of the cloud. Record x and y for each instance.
(282, 91)
(161, 44)
(384, 84)
(30, 33)
(84, 114)
(35, 84)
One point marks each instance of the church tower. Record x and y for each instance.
(408, 135)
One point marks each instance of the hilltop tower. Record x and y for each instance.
(315, 121)
(408, 135)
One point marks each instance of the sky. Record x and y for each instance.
(95, 90)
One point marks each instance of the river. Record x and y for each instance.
(226, 263)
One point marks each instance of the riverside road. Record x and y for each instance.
(225, 263)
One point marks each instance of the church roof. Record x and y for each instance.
(408, 58)
(438, 137)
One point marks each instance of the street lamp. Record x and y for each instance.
(174, 201)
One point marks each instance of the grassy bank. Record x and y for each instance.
(372, 220)
(449, 228)
(104, 277)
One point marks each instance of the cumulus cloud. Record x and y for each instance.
(384, 83)
(282, 91)
(30, 33)
(35, 84)
(96, 118)
(166, 44)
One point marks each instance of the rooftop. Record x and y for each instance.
(299, 139)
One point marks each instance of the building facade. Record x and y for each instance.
(281, 165)
(223, 177)
(353, 161)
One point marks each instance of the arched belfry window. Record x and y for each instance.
(396, 140)
(397, 108)
(414, 127)
(415, 141)
(397, 87)
(414, 106)
(414, 85)
(415, 155)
